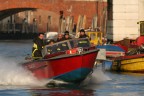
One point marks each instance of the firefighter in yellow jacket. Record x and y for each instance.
(38, 46)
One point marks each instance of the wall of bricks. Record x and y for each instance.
(69, 7)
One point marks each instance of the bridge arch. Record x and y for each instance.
(76, 7)
(31, 4)
(10, 7)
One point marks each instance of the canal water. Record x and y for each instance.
(16, 81)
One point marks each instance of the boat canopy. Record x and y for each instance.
(66, 45)
(110, 48)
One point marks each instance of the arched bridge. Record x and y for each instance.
(9, 7)
(73, 7)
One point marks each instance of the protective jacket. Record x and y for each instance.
(84, 36)
(37, 48)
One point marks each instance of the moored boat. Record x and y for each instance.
(133, 63)
(112, 50)
(70, 61)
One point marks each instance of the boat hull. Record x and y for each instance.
(112, 50)
(133, 63)
(70, 68)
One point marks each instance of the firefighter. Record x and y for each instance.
(66, 35)
(38, 46)
(83, 34)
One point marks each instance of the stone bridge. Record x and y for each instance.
(69, 7)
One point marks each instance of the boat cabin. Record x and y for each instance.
(64, 46)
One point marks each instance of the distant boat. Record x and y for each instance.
(70, 61)
(132, 62)
(112, 50)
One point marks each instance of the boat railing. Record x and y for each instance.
(96, 37)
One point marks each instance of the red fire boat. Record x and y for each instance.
(70, 61)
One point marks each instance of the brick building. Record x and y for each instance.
(46, 13)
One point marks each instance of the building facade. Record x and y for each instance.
(125, 19)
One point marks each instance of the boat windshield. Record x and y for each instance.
(57, 47)
(83, 42)
(65, 45)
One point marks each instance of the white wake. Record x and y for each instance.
(11, 73)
